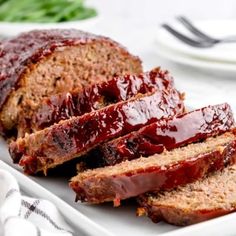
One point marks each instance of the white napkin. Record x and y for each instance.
(23, 216)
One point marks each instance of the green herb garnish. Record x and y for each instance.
(44, 11)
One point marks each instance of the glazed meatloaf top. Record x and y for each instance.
(27, 49)
(164, 134)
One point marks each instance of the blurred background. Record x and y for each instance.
(157, 10)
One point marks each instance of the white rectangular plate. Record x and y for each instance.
(104, 219)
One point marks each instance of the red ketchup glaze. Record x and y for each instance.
(73, 137)
(65, 105)
(155, 178)
(164, 134)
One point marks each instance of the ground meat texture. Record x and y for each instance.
(158, 172)
(76, 136)
(191, 127)
(40, 63)
(199, 201)
(65, 105)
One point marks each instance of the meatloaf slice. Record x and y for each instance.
(157, 172)
(202, 200)
(164, 134)
(65, 105)
(74, 137)
(40, 63)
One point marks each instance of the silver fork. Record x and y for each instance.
(201, 40)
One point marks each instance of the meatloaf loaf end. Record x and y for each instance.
(202, 200)
(158, 172)
(164, 134)
(65, 105)
(76, 136)
(40, 63)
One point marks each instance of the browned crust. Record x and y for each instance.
(177, 216)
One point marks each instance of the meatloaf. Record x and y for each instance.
(65, 105)
(164, 134)
(76, 136)
(202, 200)
(158, 172)
(40, 63)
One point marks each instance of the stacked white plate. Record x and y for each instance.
(221, 57)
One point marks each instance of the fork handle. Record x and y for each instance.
(229, 39)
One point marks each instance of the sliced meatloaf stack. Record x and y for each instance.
(40, 63)
(190, 146)
(152, 98)
(131, 133)
(157, 172)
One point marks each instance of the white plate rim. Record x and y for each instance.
(203, 54)
(193, 62)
